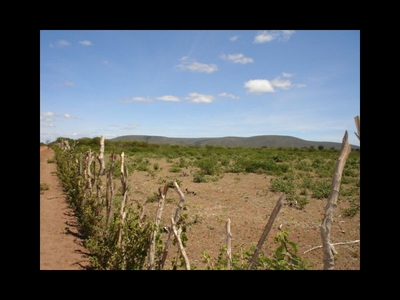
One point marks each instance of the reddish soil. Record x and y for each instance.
(247, 201)
(60, 243)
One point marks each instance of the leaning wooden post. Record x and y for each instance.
(101, 157)
(81, 164)
(328, 248)
(271, 220)
(176, 218)
(160, 207)
(228, 243)
(110, 189)
(122, 212)
(357, 120)
(88, 173)
(122, 163)
(177, 234)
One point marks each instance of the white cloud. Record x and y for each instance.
(265, 86)
(228, 95)
(234, 38)
(47, 114)
(86, 43)
(238, 58)
(200, 98)
(60, 43)
(47, 125)
(283, 84)
(270, 35)
(259, 86)
(194, 66)
(284, 74)
(286, 34)
(47, 118)
(168, 98)
(105, 62)
(264, 36)
(138, 99)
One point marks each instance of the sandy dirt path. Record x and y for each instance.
(60, 243)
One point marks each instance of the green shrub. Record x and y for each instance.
(208, 166)
(321, 189)
(44, 187)
(199, 177)
(301, 201)
(306, 183)
(303, 166)
(284, 257)
(175, 169)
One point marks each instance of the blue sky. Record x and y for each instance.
(199, 83)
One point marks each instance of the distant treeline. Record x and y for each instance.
(262, 141)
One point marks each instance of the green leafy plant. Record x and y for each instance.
(175, 169)
(44, 187)
(284, 257)
(321, 189)
(208, 166)
(199, 177)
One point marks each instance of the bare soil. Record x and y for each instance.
(244, 198)
(60, 243)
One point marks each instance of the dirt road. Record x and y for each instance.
(60, 243)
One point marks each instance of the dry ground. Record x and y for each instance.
(60, 243)
(244, 198)
(247, 201)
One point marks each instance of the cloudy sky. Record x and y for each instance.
(199, 83)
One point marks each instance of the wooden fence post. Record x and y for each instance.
(328, 248)
(357, 120)
(228, 243)
(88, 173)
(161, 200)
(110, 189)
(268, 227)
(176, 218)
(177, 233)
(101, 157)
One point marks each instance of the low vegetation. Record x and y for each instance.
(44, 187)
(303, 174)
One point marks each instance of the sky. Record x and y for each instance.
(199, 83)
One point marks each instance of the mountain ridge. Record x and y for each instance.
(234, 141)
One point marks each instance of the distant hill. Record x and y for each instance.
(232, 141)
